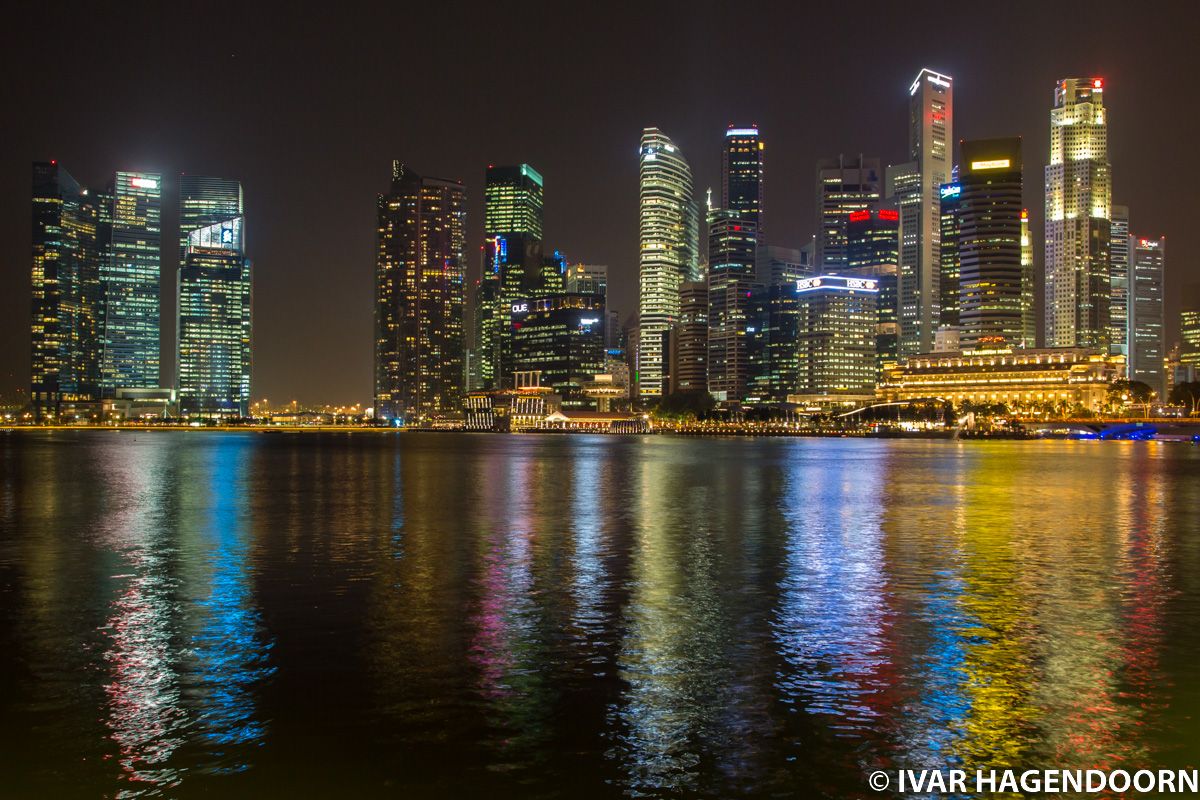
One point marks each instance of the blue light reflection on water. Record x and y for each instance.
(231, 655)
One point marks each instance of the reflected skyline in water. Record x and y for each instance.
(187, 614)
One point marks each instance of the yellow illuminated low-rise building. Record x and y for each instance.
(1021, 379)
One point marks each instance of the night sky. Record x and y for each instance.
(308, 109)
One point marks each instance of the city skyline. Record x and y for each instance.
(328, 274)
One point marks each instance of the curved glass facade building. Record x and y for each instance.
(668, 250)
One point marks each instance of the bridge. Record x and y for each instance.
(1130, 429)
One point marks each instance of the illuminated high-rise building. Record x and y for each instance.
(668, 252)
(835, 332)
(65, 321)
(915, 188)
(419, 298)
(844, 187)
(1118, 278)
(553, 278)
(773, 335)
(950, 201)
(1028, 286)
(1146, 335)
(1189, 330)
(514, 267)
(778, 265)
(129, 235)
(215, 323)
(732, 247)
(587, 279)
(513, 201)
(1078, 209)
(204, 201)
(989, 245)
(689, 340)
(873, 244)
(742, 173)
(487, 323)
(561, 338)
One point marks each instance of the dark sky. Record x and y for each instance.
(307, 108)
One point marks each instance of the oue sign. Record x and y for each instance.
(520, 308)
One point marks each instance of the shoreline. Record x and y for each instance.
(943, 435)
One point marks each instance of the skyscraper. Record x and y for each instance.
(950, 200)
(215, 322)
(773, 335)
(836, 335)
(65, 321)
(915, 187)
(1118, 277)
(1028, 286)
(487, 322)
(514, 267)
(1189, 330)
(778, 265)
(989, 245)
(587, 279)
(844, 187)
(873, 244)
(742, 173)
(732, 247)
(689, 340)
(205, 201)
(668, 251)
(1145, 335)
(419, 298)
(561, 337)
(130, 240)
(1078, 209)
(514, 201)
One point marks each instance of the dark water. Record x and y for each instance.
(420, 615)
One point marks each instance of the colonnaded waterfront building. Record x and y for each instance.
(668, 252)
(1019, 378)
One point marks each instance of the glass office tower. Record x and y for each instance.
(215, 323)
(65, 322)
(204, 201)
(130, 234)
(1146, 334)
(514, 267)
(989, 245)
